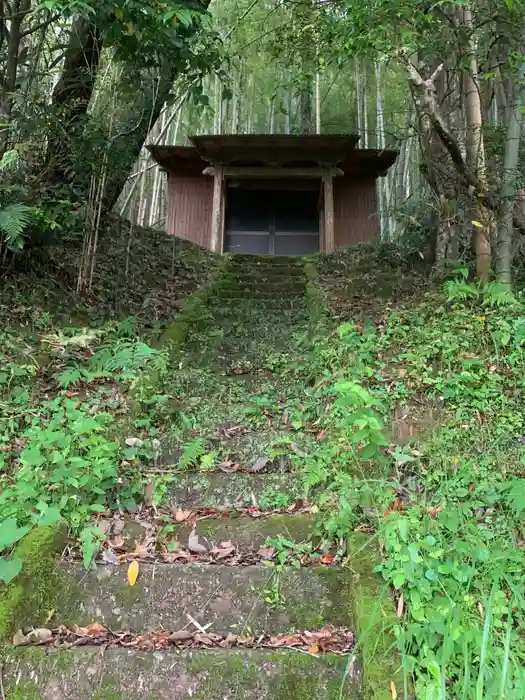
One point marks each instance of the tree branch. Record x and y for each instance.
(42, 25)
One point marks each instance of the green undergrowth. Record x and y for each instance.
(69, 366)
(32, 595)
(447, 505)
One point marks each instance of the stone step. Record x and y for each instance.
(249, 260)
(120, 674)
(261, 294)
(249, 534)
(238, 490)
(243, 600)
(263, 287)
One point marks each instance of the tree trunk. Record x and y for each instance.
(19, 10)
(359, 97)
(318, 102)
(476, 153)
(72, 95)
(509, 179)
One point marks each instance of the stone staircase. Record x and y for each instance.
(254, 600)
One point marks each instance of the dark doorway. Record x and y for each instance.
(271, 222)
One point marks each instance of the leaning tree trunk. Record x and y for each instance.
(72, 95)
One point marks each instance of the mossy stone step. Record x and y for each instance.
(232, 598)
(248, 533)
(266, 286)
(122, 674)
(250, 260)
(229, 491)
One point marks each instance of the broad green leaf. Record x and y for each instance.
(9, 569)
(10, 533)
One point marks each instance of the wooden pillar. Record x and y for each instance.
(216, 214)
(329, 228)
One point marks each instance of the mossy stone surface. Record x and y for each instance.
(374, 615)
(232, 598)
(217, 490)
(120, 674)
(29, 598)
(251, 533)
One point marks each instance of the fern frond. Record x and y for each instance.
(497, 295)
(458, 290)
(9, 159)
(14, 220)
(192, 453)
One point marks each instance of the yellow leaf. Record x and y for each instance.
(314, 648)
(118, 13)
(133, 572)
(393, 690)
(477, 224)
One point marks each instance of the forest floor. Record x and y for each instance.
(305, 483)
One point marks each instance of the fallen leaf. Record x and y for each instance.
(327, 559)
(40, 636)
(314, 649)
(393, 690)
(95, 629)
(181, 636)
(223, 552)
(194, 545)
(133, 572)
(50, 615)
(266, 553)
(149, 493)
(259, 464)
(20, 639)
(180, 515)
(134, 442)
(229, 466)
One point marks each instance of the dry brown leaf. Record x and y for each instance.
(40, 636)
(133, 572)
(180, 515)
(95, 629)
(194, 545)
(266, 553)
(223, 552)
(20, 639)
(149, 493)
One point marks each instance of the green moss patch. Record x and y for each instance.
(30, 597)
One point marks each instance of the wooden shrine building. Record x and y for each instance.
(272, 194)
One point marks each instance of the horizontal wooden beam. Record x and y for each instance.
(273, 173)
